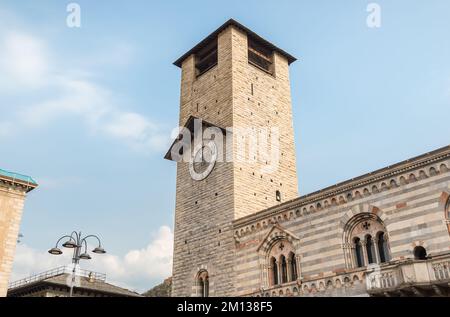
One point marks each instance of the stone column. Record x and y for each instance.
(280, 267)
(377, 254)
(345, 250)
(269, 281)
(353, 262)
(299, 267)
(365, 258)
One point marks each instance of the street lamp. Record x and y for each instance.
(76, 242)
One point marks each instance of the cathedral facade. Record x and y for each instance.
(240, 227)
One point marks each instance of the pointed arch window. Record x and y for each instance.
(369, 249)
(382, 247)
(274, 271)
(358, 252)
(203, 284)
(293, 263)
(283, 263)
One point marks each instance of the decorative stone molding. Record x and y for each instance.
(276, 234)
(389, 178)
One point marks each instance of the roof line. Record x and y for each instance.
(18, 179)
(385, 172)
(233, 22)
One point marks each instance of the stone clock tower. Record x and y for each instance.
(232, 79)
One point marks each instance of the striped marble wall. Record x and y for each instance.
(409, 198)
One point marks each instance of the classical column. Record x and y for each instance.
(345, 250)
(299, 267)
(270, 277)
(353, 261)
(264, 275)
(365, 258)
(280, 274)
(377, 254)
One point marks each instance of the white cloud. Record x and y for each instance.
(135, 129)
(58, 93)
(137, 270)
(76, 97)
(23, 61)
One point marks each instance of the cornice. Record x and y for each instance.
(345, 187)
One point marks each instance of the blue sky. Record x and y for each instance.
(87, 111)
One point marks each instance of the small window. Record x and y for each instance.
(278, 195)
(447, 210)
(358, 252)
(420, 253)
(203, 284)
(382, 248)
(293, 262)
(259, 56)
(369, 249)
(274, 271)
(284, 275)
(206, 58)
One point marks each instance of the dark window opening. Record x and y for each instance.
(278, 195)
(382, 248)
(448, 210)
(202, 287)
(358, 252)
(203, 284)
(206, 289)
(206, 58)
(283, 270)
(420, 253)
(274, 269)
(369, 249)
(294, 274)
(259, 56)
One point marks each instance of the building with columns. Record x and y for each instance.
(241, 229)
(13, 190)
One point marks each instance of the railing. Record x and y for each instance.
(55, 272)
(381, 278)
(403, 275)
(410, 273)
(441, 270)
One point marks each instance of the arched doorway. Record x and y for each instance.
(420, 253)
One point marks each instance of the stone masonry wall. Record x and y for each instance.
(205, 209)
(410, 199)
(11, 206)
(262, 100)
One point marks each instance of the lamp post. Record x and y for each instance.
(76, 242)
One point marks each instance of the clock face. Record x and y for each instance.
(203, 160)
